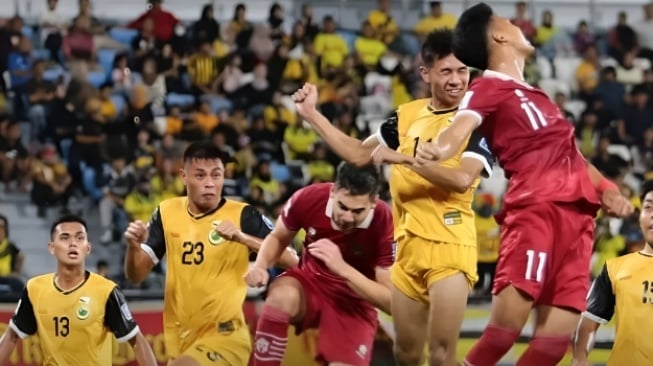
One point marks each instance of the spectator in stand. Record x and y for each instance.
(583, 37)
(166, 182)
(330, 47)
(629, 73)
(144, 45)
(636, 118)
(318, 167)
(141, 201)
(644, 31)
(385, 28)
(51, 182)
(621, 38)
(206, 28)
(310, 28)
(275, 22)
(240, 27)
(561, 101)
(79, 48)
(15, 162)
(436, 19)
(10, 36)
(115, 185)
(20, 71)
(522, 21)
(587, 74)
(11, 260)
(164, 21)
(203, 70)
(611, 92)
(369, 50)
(39, 94)
(587, 134)
(53, 26)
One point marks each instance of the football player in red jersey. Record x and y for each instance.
(343, 272)
(547, 220)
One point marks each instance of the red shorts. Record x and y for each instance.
(545, 252)
(345, 335)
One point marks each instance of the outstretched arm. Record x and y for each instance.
(612, 201)
(449, 140)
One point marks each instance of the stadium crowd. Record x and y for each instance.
(104, 112)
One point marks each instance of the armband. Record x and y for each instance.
(606, 185)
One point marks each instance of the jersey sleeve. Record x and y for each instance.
(293, 212)
(254, 224)
(118, 318)
(23, 322)
(601, 299)
(155, 245)
(480, 100)
(477, 149)
(388, 133)
(386, 243)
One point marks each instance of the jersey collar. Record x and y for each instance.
(365, 224)
(502, 76)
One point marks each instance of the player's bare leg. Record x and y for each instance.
(510, 311)
(448, 298)
(554, 328)
(285, 304)
(410, 320)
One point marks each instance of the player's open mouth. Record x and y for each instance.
(208, 195)
(73, 254)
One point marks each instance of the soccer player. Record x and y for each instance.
(548, 213)
(435, 267)
(624, 288)
(343, 273)
(74, 312)
(206, 240)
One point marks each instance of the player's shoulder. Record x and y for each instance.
(412, 106)
(382, 210)
(173, 204)
(617, 263)
(235, 204)
(315, 191)
(100, 284)
(39, 282)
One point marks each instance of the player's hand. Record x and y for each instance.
(305, 99)
(426, 152)
(329, 253)
(227, 230)
(616, 204)
(257, 276)
(385, 155)
(136, 233)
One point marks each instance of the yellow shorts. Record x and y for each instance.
(222, 348)
(421, 262)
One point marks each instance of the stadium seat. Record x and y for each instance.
(123, 35)
(553, 86)
(280, 172)
(565, 68)
(41, 54)
(96, 78)
(105, 58)
(350, 38)
(642, 63)
(180, 100)
(53, 73)
(544, 67)
(28, 32)
(576, 107)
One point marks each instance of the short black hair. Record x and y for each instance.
(358, 180)
(470, 40)
(67, 219)
(437, 45)
(202, 150)
(647, 187)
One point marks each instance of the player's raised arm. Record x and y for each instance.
(348, 148)
(449, 140)
(476, 161)
(600, 309)
(21, 326)
(145, 247)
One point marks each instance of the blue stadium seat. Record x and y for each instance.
(41, 54)
(180, 100)
(119, 102)
(28, 32)
(350, 38)
(280, 172)
(96, 78)
(123, 35)
(105, 59)
(53, 73)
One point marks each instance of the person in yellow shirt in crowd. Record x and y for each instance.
(385, 28)
(174, 123)
(205, 120)
(108, 109)
(588, 73)
(546, 30)
(276, 114)
(263, 179)
(436, 19)
(319, 168)
(369, 50)
(141, 202)
(330, 46)
(166, 183)
(300, 140)
(487, 239)
(606, 246)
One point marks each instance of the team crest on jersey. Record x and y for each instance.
(83, 310)
(214, 237)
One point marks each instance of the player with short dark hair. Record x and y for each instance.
(206, 240)
(435, 267)
(623, 289)
(74, 312)
(548, 213)
(343, 273)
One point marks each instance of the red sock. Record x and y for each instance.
(494, 343)
(545, 351)
(271, 337)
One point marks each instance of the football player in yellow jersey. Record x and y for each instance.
(74, 312)
(435, 266)
(624, 288)
(207, 241)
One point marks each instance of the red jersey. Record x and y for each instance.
(532, 141)
(369, 246)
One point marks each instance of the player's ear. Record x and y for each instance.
(51, 248)
(424, 73)
(88, 248)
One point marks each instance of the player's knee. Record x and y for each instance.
(406, 354)
(285, 298)
(440, 351)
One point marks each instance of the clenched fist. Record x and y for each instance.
(136, 233)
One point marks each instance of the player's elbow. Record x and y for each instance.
(463, 182)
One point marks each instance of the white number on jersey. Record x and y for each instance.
(534, 115)
(535, 270)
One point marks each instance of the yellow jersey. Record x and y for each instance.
(75, 326)
(420, 207)
(625, 289)
(204, 288)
